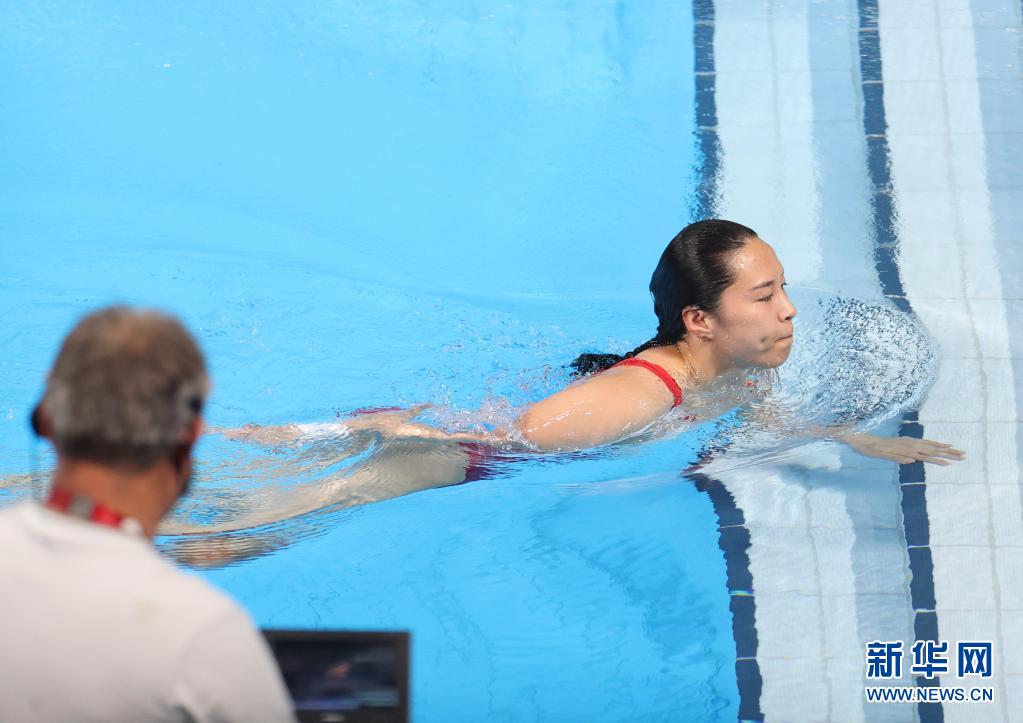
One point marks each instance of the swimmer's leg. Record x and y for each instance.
(288, 515)
(398, 468)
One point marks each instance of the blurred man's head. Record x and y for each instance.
(127, 390)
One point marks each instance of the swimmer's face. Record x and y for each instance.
(752, 325)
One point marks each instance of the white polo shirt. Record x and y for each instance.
(96, 626)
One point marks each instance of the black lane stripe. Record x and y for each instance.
(705, 199)
(912, 479)
(734, 541)
(733, 535)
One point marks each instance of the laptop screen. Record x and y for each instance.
(344, 677)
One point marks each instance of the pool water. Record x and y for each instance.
(353, 205)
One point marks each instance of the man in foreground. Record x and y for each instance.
(94, 625)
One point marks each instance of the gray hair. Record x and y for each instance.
(124, 388)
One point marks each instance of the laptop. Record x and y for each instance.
(344, 677)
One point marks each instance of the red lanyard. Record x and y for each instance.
(84, 508)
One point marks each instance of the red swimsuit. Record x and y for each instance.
(662, 374)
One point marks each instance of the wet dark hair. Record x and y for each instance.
(693, 271)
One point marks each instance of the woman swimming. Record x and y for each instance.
(723, 313)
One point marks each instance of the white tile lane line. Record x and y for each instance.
(765, 123)
(844, 214)
(947, 260)
(766, 181)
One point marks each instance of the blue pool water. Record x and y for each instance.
(355, 205)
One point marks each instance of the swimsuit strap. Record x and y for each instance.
(662, 374)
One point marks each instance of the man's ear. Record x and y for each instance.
(181, 455)
(192, 433)
(40, 422)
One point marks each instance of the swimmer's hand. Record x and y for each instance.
(267, 435)
(903, 450)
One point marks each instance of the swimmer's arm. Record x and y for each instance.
(15, 480)
(903, 450)
(589, 413)
(267, 435)
(390, 424)
(399, 424)
(595, 411)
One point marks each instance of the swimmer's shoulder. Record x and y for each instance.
(666, 357)
(641, 380)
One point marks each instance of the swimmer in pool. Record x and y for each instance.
(723, 313)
